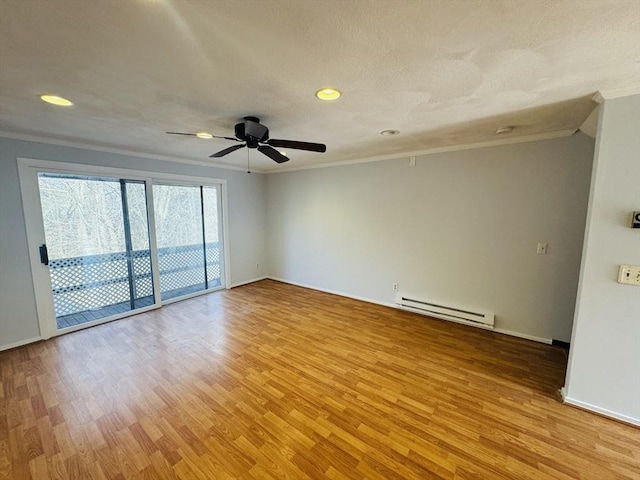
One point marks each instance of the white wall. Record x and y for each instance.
(18, 320)
(460, 227)
(604, 364)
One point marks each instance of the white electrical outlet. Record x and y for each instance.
(412, 161)
(542, 248)
(629, 275)
(395, 287)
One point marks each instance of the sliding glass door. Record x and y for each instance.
(105, 243)
(187, 225)
(97, 246)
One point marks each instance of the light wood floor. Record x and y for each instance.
(275, 381)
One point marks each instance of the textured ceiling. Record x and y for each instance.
(442, 72)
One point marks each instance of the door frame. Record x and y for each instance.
(28, 169)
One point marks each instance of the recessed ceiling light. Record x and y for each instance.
(388, 133)
(507, 129)
(204, 135)
(55, 100)
(328, 93)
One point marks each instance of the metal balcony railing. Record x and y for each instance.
(93, 282)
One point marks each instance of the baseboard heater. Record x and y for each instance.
(447, 312)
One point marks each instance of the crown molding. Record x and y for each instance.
(603, 95)
(451, 148)
(116, 151)
(393, 156)
(590, 125)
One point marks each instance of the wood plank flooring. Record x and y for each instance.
(273, 381)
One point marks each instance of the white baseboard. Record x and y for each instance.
(20, 343)
(333, 292)
(239, 284)
(548, 341)
(599, 410)
(563, 393)
(393, 305)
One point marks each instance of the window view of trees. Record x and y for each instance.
(178, 214)
(83, 216)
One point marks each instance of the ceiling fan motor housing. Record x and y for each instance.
(252, 132)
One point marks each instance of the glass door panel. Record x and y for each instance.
(179, 233)
(188, 229)
(92, 226)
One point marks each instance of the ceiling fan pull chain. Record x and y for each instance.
(248, 167)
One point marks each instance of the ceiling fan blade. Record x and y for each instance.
(272, 153)
(226, 151)
(195, 135)
(227, 138)
(312, 147)
(180, 133)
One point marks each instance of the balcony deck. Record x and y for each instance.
(93, 287)
(78, 318)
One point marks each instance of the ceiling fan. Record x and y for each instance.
(256, 135)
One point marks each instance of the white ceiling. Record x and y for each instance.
(442, 72)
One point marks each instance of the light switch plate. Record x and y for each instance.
(629, 275)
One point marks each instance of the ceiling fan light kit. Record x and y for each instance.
(255, 135)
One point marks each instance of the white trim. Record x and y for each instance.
(599, 410)
(511, 333)
(397, 307)
(595, 169)
(253, 280)
(590, 124)
(333, 292)
(603, 95)
(430, 151)
(392, 156)
(115, 151)
(20, 343)
(32, 211)
(132, 174)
